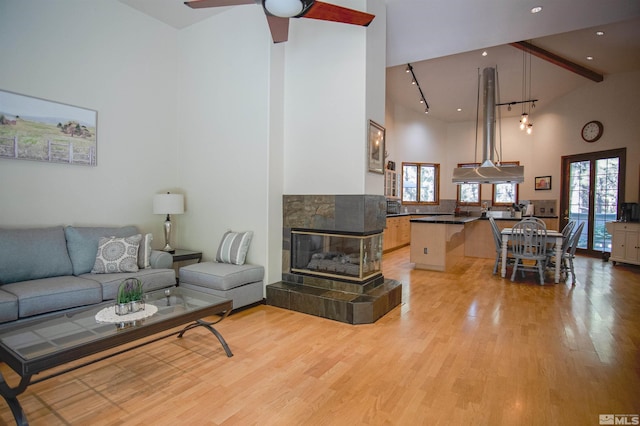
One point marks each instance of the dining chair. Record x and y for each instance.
(570, 254)
(566, 237)
(535, 219)
(497, 239)
(529, 243)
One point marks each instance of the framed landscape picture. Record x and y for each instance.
(375, 144)
(42, 130)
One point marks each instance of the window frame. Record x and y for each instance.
(516, 188)
(436, 189)
(459, 187)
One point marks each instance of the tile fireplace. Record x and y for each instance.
(332, 258)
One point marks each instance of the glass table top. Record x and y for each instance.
(30, 339)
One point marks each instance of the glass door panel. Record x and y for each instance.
(591, 193)
(579, 190)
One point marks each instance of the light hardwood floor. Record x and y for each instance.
(464, 348)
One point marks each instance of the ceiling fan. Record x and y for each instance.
(278, 13)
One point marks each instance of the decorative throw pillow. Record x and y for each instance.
(233, 247)
(144, 251)
(117, 255)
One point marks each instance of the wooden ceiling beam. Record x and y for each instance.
(558, 60)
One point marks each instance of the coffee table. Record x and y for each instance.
(34, 346)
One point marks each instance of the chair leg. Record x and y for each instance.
(495, 265)
(573, 272)
(515, 269)
(541, 272)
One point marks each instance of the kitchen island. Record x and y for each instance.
(437, 242)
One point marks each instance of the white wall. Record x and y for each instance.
(104, 56)
(416, 137)
(224, 130)
(325, 101)
(375, 84)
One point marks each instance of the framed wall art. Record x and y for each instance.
(42, 130)
(376, 147)
(543, 183)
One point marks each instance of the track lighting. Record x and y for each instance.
(414, 81)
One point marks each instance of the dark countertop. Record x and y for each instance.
(448, 219)
(417, 214)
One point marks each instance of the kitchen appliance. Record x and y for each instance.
(629, 212)
(393, 206)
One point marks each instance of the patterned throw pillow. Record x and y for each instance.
(144, 252)
(233, 247)
(117, 255)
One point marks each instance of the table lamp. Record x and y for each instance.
(168, 204)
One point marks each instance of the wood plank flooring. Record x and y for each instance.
(464, 348)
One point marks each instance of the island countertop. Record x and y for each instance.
(447, 219)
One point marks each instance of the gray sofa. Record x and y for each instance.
(44, 270)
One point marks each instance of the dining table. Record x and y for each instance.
(553, 237)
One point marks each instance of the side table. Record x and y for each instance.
(180, 258)
(181, 255)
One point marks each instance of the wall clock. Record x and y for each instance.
(592, 131)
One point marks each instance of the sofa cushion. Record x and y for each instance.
(33, 253)
(117, 254)
(220, 276)
(8, 307)
(233, 247)
(152, 279)
(82, 243)
(53, 294)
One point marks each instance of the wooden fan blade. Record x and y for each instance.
(279, 28)
(199, 4)
(332, 12)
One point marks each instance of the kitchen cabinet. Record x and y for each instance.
(397, 233)
(625, 243)
(391, 184)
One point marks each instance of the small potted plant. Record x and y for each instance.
(129, 297)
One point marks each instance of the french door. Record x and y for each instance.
(592, 187)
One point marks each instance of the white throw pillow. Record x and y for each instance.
(144, 251)
(117, 255)
(233, 247)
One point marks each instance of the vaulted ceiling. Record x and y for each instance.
(444, 42)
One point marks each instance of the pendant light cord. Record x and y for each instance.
(475, 151)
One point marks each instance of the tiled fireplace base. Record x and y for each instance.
(352, 308)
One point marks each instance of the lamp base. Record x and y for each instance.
(169, 249)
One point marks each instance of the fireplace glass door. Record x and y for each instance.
(351, 257)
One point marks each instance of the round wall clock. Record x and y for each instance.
(592, 131)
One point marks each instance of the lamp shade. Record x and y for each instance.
(168, 204)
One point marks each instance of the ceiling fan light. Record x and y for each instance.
(283, 8)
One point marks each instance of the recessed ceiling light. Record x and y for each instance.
(599, 33)
(459, 109)
(536, 9)
(484, 53)
(589, 58)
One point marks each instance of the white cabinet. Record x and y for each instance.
(391, 184)
(625, 243)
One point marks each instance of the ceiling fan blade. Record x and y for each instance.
(332, 12)
(279, 28)
(199, 4)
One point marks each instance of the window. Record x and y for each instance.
(469, 194)
(420, 183)
(506, 194)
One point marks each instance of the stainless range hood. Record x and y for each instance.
(488, 171)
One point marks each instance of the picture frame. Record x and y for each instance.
(543, 183)
(42, 130)
(376, 147)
